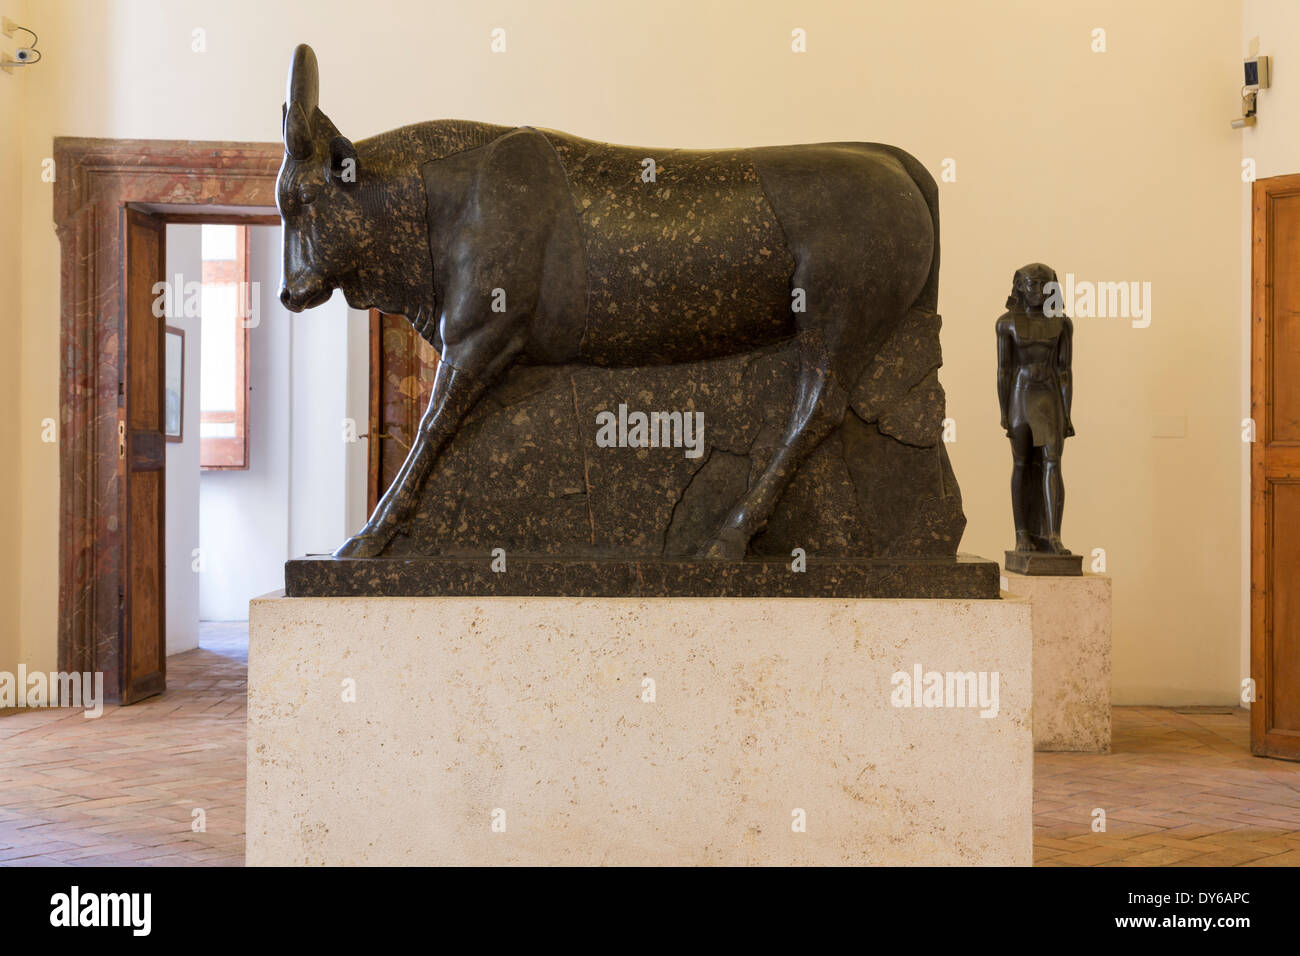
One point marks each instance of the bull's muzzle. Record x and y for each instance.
(304, 297)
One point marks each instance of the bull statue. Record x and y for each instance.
(505, 246)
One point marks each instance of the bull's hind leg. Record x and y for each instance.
(821, 400)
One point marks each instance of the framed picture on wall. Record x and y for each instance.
(173, 382)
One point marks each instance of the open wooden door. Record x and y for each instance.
(1275, 468)
(402, 366)
(140, 463)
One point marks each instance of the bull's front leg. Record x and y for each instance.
(466, 370)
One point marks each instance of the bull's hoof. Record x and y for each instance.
(730, 545)
(361, 546)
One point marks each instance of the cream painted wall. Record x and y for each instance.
(1114, 166)
(1274, 145)
(12, 108)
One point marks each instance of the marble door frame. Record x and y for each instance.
(95, 182)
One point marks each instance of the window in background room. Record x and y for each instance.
(225, 306)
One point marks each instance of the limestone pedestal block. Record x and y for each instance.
(1071, 659)
(632, 731)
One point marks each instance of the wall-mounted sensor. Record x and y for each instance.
(1255, 77)
(1255, 74)
(24, 55)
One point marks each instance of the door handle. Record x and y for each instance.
(386, 435)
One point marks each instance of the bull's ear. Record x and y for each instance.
(342, 169)
(297, 133)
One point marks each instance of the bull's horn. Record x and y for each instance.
(298, 141)
(304, 79)
(301, 94)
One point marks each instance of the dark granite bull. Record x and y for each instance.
(525, 245)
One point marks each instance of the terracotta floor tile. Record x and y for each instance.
(120, 789)
(1188, 780)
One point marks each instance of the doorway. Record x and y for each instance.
(101, 187)
(267, 463)
(112, 201)
(1275, 468)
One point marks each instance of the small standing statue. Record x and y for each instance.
(1034, 388)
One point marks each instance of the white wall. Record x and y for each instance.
(1274, 144)
(184, 256)
(293, 499)
(244, 515)
(1114, 166)
(319, 456)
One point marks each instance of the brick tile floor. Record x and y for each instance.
(122, 788)
(1180, 788)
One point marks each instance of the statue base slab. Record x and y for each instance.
(1072, 642)
(1040, 563)
(964, 576)
(629, 731)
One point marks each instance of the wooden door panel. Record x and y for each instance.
(1275, 468)
(146, 577)
(1284, 610)
(1285, 318)
(141, 463)
(402, 367)
(1286, 400)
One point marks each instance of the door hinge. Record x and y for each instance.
(121, 439)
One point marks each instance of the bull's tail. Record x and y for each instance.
(928, 299)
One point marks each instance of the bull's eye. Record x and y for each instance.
(307, 194)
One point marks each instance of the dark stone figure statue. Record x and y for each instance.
(786, 294)
(1035, 343)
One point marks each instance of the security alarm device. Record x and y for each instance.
(1255, 72)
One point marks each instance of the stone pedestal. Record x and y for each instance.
(1071, 659)
(963, 576)
(1037, 563)
(639, 731)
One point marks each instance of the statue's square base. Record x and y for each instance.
(482, 575)
(631, 731)
(1071, 659)
(1039, 563)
